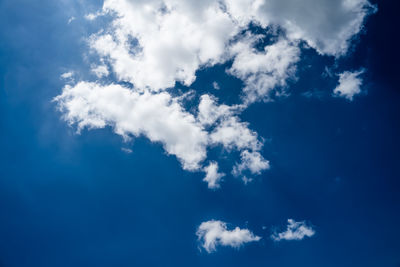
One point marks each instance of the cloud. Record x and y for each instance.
(349, 85)
(155, 43)
(100, 70)
(215, 233)
(295, 231)
(149, 46)
(234, 134)
(71, 19)
(157, 116)
(127, 150)
(326, 25)
(172, 40)
(263, 72)
(67, 75)
(216, 86)
(252, 161)
(210, 111)
(213, 177)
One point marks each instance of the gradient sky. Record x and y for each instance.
(85, 199)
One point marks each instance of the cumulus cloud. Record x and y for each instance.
(215, 233)
(157, 116)
(151, 45)
(263, 72)
(71, 19)
(171, 38)
(252, 161)
(326, 25)
(213, 177)
(234, 134)
(295, 231)
(349, 85)
(210, 111)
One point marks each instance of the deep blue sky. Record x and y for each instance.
(78, 200)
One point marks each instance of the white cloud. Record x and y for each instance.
(349, 84)
(100, 70)
(155, 43)
(213, 177)
(174, 38)
(67, 75)
(127, 150)
(157, 116)
(216, 86)
(252, 161)
(71, 19)
(210, 111)
(214, 233)
(295, 231)
(326, 25)
(93, 16)
(234, 134)
(152, 44)
(162, 119)
(263, 72)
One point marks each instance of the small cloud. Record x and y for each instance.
(216, 86)
(100, 70)
(247, 180)
(349, 85)
(126, 150)
(71, 19)
(294, 231)
(67, 75)
(313, 94)
(214, 233)
(251, 161)
(213, 177)
(327, 73)
(93, 16)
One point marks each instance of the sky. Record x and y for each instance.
(187, 133)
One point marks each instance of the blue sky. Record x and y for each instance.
(328, 161)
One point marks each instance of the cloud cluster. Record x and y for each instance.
(215, 233)
(152, 44)
(295, 231)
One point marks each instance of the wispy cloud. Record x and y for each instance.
(215, 233)
(294, 231)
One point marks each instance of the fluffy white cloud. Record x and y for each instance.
(214, 233)
(213, 177)
(326, 25)
(156, 43)
(234, 134)
(157, 116)
(152, 44)
(210, 111)
(252, 161)
(295, 231)
(262, 72)
(349, 85)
